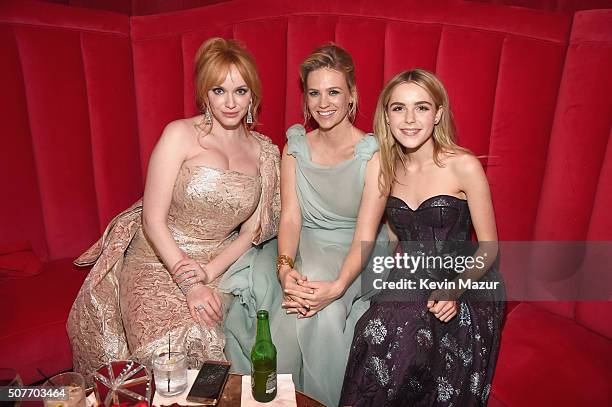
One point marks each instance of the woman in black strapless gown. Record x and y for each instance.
(414, 348)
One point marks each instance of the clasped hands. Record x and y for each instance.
(304, 297)
(204, 302)
(441, 303)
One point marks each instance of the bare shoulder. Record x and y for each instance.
(375, 160)
(463, 164)
(177, 140)
(373, 169)
(180, 132)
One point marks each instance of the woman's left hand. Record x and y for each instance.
(323, 294)
(442, 305)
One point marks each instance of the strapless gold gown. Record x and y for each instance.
(129, 304)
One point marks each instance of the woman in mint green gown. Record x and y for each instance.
(330, 204)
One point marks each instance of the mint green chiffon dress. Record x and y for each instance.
(314, 350)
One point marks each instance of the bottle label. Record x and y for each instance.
(271, 382)
(269, 376)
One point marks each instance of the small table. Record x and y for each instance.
(233, 390)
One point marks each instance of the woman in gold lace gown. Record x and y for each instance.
(212, 192)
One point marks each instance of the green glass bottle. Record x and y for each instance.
(263, 361)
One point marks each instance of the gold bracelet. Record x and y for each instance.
(283, 260)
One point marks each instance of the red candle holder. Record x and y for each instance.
(123, 382)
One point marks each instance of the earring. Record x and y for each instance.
(352, 111)
(207, 117)
(249, 117)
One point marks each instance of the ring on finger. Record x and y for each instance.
(200, 307)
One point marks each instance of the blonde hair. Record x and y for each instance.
(391, 151)
(333, 57)
(214, 60)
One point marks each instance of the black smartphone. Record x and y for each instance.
(210, 382)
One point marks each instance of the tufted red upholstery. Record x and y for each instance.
(89, 92)
(75, 152)
(69, 162)
(538, 347)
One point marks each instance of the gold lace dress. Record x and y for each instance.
(129, 304)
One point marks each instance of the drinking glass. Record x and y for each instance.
(75, 385)
(170, 371)
(10, 378)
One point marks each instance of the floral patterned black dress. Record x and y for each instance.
(401, 354)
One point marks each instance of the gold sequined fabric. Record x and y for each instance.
(129, 304)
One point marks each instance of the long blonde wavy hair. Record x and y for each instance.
(392, 152)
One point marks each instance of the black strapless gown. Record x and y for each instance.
(401, 354)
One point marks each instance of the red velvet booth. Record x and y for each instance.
(86, 94)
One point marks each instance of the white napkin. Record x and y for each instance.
(285, 393)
